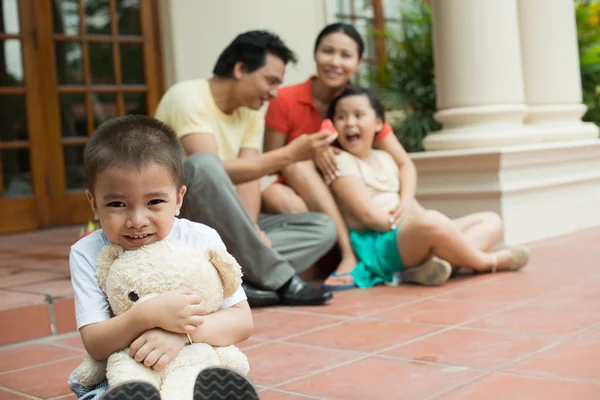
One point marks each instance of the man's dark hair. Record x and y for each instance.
(132, 141)
(251, 48)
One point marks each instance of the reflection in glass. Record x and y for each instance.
(11, 63)
(9, 16)
(68, 63)
(101, 63)
(128, 14)
(15, 173)
(132, 63)
(13, 118)
(105, 107)
(73, 115)
(74, 173)
(65, 17)
(135, 103)
(97, 17)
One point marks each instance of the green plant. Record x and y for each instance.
(405, 78)
(587, 13)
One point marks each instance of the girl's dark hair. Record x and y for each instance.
(346, 29)
(358, 91)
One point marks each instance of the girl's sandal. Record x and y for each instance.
(521, 257)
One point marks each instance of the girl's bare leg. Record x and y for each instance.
(432, 233)
(483, 229)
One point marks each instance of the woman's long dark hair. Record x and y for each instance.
(346, 29)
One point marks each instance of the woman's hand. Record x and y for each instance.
(326, 162)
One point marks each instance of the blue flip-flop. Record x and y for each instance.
(346, 286)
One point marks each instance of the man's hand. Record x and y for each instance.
(176, 311)
(263, 236)
(307, 146)
(327, 163)
(156, 347)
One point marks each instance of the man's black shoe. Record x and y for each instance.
(260, 297)
(296, 292)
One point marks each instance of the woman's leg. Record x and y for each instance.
(308, 184)
(483, 229)
(281, 199)
(433, 233)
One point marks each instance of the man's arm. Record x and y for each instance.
(226, 327)
(249, 192)
(240, 170)
(247, 169)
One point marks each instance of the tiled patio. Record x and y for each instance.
(532, 335)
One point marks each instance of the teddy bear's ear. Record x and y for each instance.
(107, 256)
(228, 268)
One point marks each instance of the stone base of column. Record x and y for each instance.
(481, 127)
(561, 122)
(540, 190)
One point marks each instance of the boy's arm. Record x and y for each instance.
(101, 339)
(226, 327)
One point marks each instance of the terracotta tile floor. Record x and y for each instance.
(531, 335)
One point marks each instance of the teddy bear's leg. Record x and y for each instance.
(233, 358)
(180, 374)
(122, 368)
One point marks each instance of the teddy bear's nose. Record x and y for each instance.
(133, 296)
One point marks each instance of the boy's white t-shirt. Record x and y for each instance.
(91, 305)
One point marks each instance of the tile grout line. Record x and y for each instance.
(27, 396)
(40, 365)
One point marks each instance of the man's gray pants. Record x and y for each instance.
(298, 240)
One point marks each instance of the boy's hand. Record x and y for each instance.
(156, 347)
(178, 311)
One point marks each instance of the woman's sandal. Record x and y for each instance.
(343, 286)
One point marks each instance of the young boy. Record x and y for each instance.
(134, 173)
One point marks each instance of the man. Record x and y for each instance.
(221, 129)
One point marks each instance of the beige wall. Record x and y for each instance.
(194, 32)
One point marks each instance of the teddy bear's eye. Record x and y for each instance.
(133, 296)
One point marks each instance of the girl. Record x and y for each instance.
(368, 187)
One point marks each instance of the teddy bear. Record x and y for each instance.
(129, 277)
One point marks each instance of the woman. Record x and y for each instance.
(300, 109)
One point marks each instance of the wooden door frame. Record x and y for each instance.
(51, 204)
(30, 212)
(66, 208)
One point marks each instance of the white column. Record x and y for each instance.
(479, 76)
(551, 70)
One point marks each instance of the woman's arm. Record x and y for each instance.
(352, 193)
(407, 170)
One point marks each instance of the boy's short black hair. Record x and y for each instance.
(358, 91)
(251, 48)
(132, 141)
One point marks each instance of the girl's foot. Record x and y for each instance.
(432, 272)
(220, 383)
(342, 278)
(134, 390)
(510, 259)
